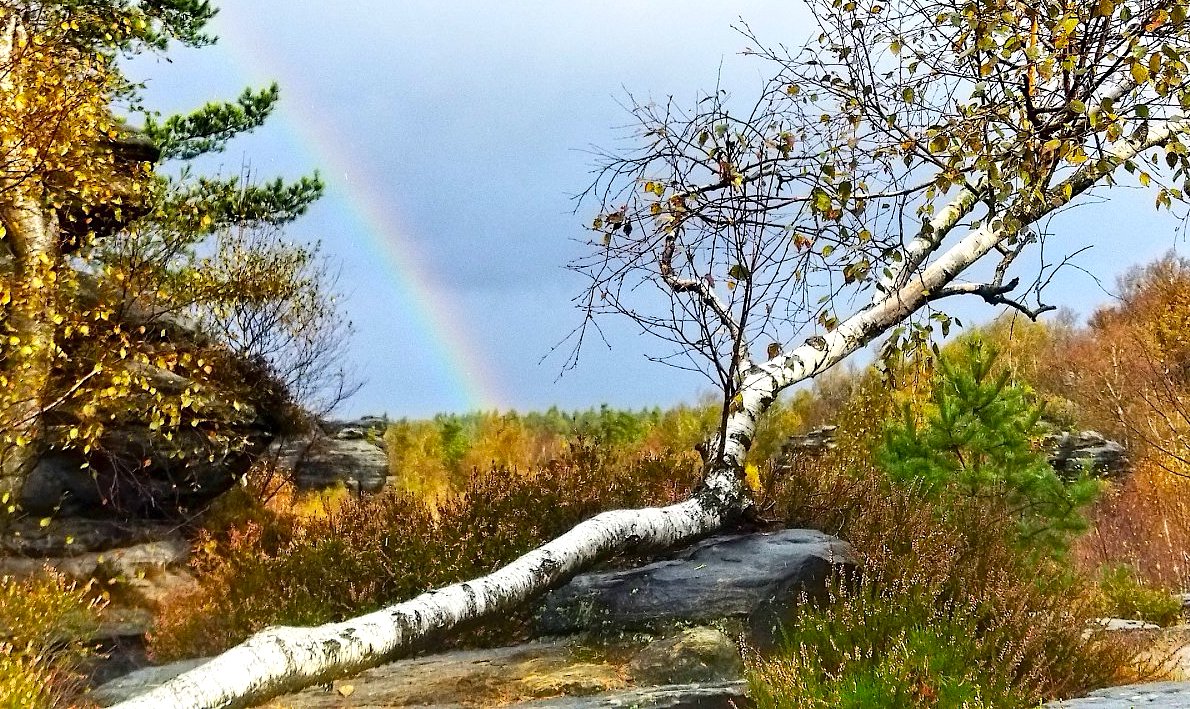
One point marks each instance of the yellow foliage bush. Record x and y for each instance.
(1142, 522)
(42, 623)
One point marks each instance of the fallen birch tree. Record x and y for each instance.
(913, 153)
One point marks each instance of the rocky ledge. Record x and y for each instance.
(666, 634)
(755, 578)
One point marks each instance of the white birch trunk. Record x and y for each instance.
(283, 659)
(31, 232)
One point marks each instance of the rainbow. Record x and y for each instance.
(430, 309)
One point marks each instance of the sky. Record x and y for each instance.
(453, 137)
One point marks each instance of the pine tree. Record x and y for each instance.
(978, 440)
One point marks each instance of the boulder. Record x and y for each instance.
(318, 461)
(140, 468)
(1073, 453)
(814, 441)
(136, 472)
(1152, 695)
(757, 578)
(694, 655)
(369, 427)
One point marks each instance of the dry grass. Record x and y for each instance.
(279, 568)
(1144, 523)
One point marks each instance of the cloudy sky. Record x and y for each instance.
(453, 135)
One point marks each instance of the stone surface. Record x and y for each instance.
(140, 681)
(694, 655)
(480, 678)
(71, 536)
(816, 440)
(755, 577)
(320, 461)
(609, 673)
(1086, 450)
(129, 562)
(727, 695)
(1154, 695)
(1124, 624)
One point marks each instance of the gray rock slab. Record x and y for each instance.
(563, 673)
(475, 678)
(1153, 695)
(127, 561)
(756, 577)
(140, 681)
(727, 695)
(323, 461)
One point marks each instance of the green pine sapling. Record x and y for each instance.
(977, 439)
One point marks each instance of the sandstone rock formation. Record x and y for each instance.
(755, 578)
(664, 635)
(1069, 452)
(351, 453)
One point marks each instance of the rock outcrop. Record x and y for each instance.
(586, 676)
(663, 635)
(754, 578)
(1070, 453)
(352, 454)
(815, 441)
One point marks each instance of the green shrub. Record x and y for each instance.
(951, 610)
(902, 646)
(1126, 596)
(948, 612)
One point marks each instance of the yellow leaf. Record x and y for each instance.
(752, 477)
(1140, 73)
